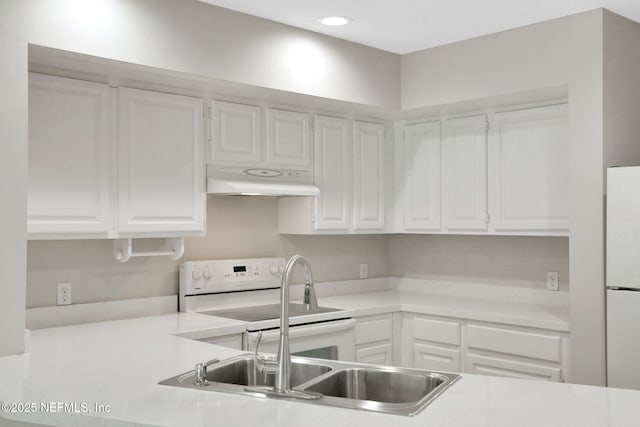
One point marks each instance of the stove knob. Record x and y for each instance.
(196, 275)
(206, 274)
(274, 270)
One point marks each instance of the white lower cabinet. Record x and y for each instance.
(435, 357)
(436, 344)
(376, 354)
(455, 345)
(374, 339)
(502, 366)
(507, 352)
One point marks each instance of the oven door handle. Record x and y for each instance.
(309, 330)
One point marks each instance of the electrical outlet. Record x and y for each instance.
(552, 281)
(64, 293)
(364, 270)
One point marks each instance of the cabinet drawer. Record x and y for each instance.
(485, 365)
(436, 358)
(371, 329)
(527, 344)
(436, 330)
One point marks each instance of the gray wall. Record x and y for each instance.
(238, 227)
(566, 51)
(203, 40)
(504, 260)
(518, 60)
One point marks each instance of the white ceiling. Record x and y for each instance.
(403, 26)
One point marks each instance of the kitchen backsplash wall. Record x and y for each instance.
(238, 227)
(503, 260)
(244, 227)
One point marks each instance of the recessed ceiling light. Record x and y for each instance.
(335, 21)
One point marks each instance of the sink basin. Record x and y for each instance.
(244, 371)
(378, 385)
(391, 390)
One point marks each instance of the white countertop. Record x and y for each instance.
(119, 363)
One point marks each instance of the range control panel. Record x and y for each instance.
(206, 277)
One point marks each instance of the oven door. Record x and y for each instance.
(335, 340)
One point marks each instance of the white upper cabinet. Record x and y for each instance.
(160, 167)
(288, 140)
(530, 162)
(464, 170)
(503, 172)
(239, 136)
(69, 158)
(368, 176)
(332, 173)
(349, 163)
(236, 133)
(419, 172)
(107, 163)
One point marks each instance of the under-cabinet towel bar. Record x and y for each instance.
(123, 249)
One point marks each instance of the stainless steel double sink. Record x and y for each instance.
(392, 390)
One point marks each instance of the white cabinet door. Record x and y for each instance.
(161, 173)
(420, 172)
(504, 351)
(368, 176)
(69, 161)
(464, 170)
(332, 173)
(432, 357)
(504, 367)
(235, 130)
(530, 163)
(288, 141)
(375, 354)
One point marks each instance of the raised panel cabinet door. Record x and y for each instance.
(332, 169)
(368, 176)
(235, 133)
(161, 172)
(288, 139)
(69, 165)
(464, 170)
(504, 367)
(530, 160)
(376, 354)
(426, 356)
(420, 176)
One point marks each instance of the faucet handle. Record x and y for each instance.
(264, 363)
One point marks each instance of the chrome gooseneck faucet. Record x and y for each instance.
(282, 366)
(283, 375)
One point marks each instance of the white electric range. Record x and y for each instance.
(248, 290)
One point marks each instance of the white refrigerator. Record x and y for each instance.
(623, 277)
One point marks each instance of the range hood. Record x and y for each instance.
(249, 181)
